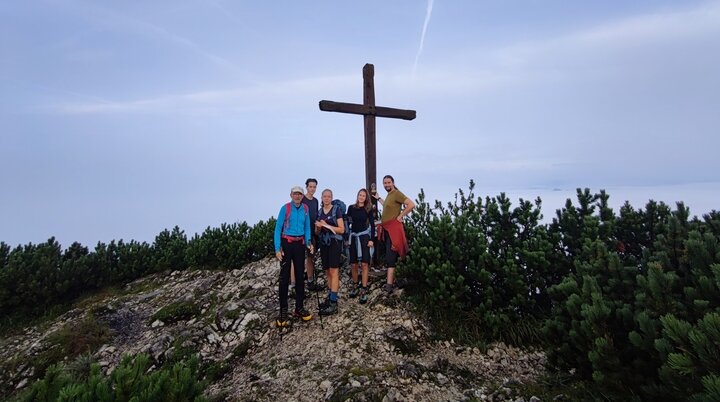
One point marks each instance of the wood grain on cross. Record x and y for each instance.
(369, 111)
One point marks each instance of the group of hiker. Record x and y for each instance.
(305, 225)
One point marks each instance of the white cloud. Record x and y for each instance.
(428, 14)
(259, 97)
(551, 59)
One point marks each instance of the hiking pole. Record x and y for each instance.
(317, 296)
(277, 288)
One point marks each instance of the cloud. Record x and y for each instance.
(123, 23)
(428, 14)
(555, 58)
(258, 97)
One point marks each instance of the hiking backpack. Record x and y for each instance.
(326, 236)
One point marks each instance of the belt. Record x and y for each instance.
(292, 239)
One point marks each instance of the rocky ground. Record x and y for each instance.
(380, 351)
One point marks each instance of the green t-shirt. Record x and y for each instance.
(392, 205)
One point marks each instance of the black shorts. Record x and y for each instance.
(330, 254)
(391, 256)
(364, 249)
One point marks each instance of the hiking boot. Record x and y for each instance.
(324, 303)
(389, 288)
(354, 292)
(330, 309)
(282, 320)
(363, 296)
(314, 286)
(303, 314)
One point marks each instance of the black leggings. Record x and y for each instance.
(292, 253)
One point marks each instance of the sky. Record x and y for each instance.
(121, 119)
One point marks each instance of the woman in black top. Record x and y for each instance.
(362, 231)
(329, 226)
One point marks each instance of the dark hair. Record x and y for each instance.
(368, 204)
(311, 180)
(387, 176)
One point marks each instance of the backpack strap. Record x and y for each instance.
(333, 214)
(286, 224)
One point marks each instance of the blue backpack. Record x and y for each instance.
(326, 236)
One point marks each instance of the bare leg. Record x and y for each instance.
(334, 279)
(365, 269)
(292, 273)
(309, 267)
(354, 271)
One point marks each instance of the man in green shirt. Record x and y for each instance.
(395, 207)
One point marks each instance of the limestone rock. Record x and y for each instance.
(378, 351)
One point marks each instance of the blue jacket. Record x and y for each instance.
(298, 224)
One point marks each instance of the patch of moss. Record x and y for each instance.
(233, 314)
(183, 310)
(216, 370)
(241, 350)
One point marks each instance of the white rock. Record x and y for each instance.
(325, 385)
(252, 316)
(157, 323)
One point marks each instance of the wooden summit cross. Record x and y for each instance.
(369, 111)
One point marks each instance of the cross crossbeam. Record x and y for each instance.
(369, 111)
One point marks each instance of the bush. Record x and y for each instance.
(487, 264)
(131, 380)
(614, 294)
(35, 279)
(607, 318)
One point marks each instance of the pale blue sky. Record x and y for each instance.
(120, 119)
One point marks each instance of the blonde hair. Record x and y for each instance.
(329, 191)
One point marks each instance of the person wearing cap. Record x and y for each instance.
(313, 205)
(292, 236)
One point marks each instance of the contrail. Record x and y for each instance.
(422, 37)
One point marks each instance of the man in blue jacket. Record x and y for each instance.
(292, 236)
